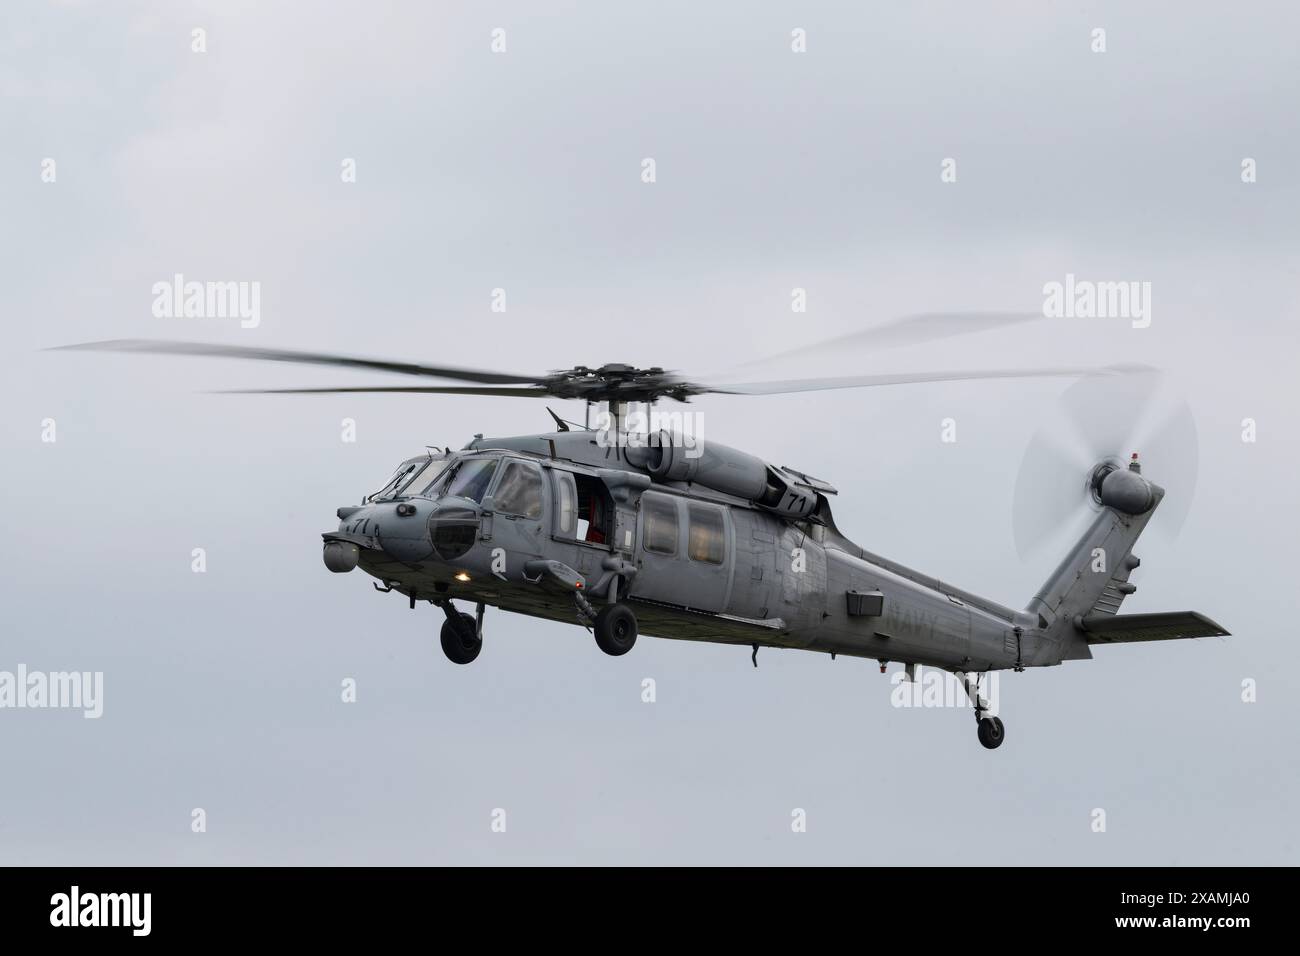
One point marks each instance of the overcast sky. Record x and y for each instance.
(522, 170)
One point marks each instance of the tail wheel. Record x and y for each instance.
(460, 640)
(615, 629)
(991, 732)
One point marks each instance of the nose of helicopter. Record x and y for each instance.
(398, 528)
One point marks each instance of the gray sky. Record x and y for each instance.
(521, 170)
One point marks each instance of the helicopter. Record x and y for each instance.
(624, 532)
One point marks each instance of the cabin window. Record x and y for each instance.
(706, 540)
(566, 503)
(520, 490)
(659, 524)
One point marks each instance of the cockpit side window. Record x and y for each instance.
(520, 490)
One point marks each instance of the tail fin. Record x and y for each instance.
(1093, 577)
(1077, 606)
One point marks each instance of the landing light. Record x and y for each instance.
(462, 577)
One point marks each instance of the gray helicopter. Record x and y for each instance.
(626, 533)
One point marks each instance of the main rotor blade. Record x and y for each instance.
(415, 389)
(906, 330)
(909, 378)
(165, 347)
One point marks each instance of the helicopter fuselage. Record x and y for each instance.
(522, 524)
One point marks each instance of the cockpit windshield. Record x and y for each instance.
(465, 478)
(404, 480)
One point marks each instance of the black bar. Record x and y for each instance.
(973, 906)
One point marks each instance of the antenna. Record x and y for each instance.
(560, 423)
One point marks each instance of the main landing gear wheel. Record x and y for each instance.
(615, 629)
(460, 640)
(991, 732)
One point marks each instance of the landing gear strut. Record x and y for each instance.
(989, 729)
(462, 634)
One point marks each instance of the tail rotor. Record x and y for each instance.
(1100, 424)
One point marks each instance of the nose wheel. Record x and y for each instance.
(461, 637)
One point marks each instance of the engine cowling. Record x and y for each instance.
(787, 498)
(730, 471)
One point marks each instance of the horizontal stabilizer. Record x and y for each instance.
(1167, 626)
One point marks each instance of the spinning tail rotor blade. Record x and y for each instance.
(1170, 457)
(1104, 420)
(1090, 423)
(1051, 496)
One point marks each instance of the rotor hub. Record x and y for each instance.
(619, 383)
(1098, 475)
